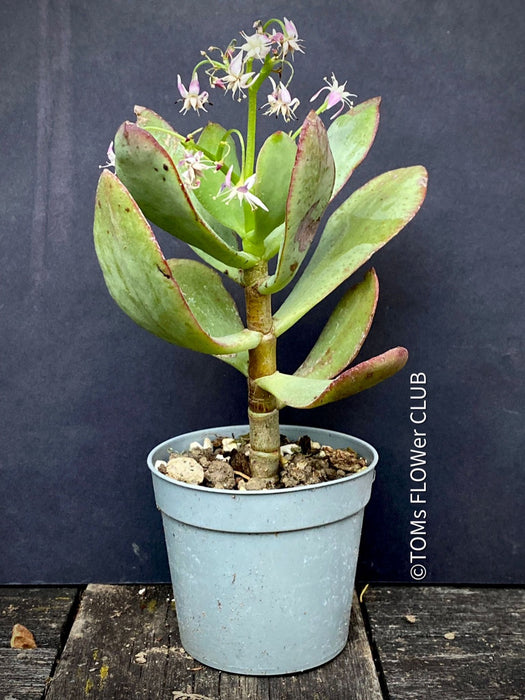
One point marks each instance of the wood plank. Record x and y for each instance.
(483, 656)
(25, 673)
(124, 643)
(44, 611)
(350, 676)
(115, 623)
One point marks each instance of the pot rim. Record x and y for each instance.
(235, 493)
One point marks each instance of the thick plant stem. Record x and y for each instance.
(262, 409)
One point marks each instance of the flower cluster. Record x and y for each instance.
(244, 67)
(232, 70)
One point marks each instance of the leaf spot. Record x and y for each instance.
(306, 230)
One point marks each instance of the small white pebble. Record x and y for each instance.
(411, 618)
(160, 463)
(140, 658)
(195, 446)
(316, 445)
(450, 635)
(229, 444)
(185, 469)
(290, 449)
(142, 591)
(207, 444)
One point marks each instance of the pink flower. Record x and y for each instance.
(192, 166)
(336, 95)
(280, 102)
(236, 79)
(241, 191)
(288, 40)
(192, 97)
(257, 45)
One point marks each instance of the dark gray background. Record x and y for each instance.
(86, 393)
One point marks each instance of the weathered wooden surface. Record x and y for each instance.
(44, 611)
(465, 643)
(442, 643)
(124, 643)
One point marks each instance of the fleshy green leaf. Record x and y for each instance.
(368, 219)
(310, 190)
(304, 392)
(211, 304)
(186, 305)
(161, 130)
(350, 136)
(345, 332)
(205, 294)
(150, 175)
(274, 171)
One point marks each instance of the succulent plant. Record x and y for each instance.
(238, 210)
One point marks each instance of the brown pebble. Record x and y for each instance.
(345, 460)
(257, 483)
(219, 474)
(22, 638)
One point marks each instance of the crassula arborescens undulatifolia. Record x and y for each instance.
(237, 210)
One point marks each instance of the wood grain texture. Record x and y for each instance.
(24, 673)
(482, 658)
(44, 611)
(123, 643)
(350, 676)
(126, 644)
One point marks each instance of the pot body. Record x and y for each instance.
(263, 580)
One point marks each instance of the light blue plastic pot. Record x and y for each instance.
(263, 580)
